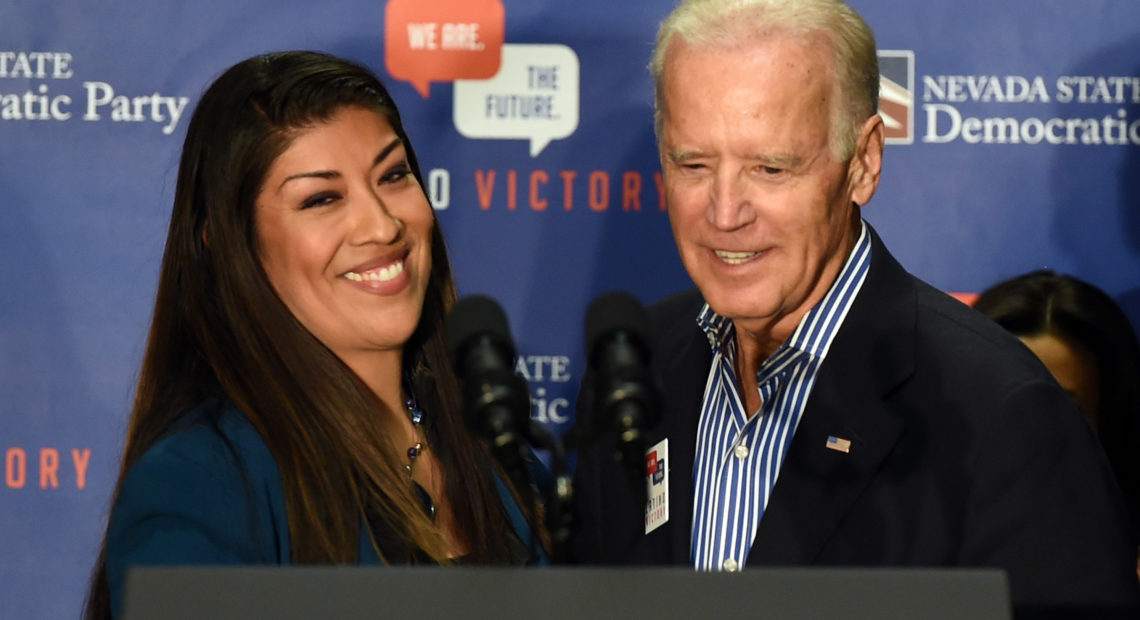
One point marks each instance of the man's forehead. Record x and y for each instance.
(772, 48)
(711, 78)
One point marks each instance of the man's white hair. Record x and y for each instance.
(732, 23)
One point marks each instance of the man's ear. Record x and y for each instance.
(867, 162)
(206, 234)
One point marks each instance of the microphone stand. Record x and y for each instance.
(631, 451)
(559, 519)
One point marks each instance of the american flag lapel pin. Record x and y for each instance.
(838, 444)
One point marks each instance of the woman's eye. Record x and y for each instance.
(320, 200)
(397, 174)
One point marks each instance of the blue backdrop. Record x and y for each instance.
(1017, 146)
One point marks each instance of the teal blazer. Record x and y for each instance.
(210, 493)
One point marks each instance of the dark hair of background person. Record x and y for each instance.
(1044, 302)
(220, 330)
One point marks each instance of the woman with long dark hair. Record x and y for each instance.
(296, 403)
(1090, 347)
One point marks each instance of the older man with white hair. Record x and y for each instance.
(821, 405)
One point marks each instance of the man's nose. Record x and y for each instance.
(730, 204)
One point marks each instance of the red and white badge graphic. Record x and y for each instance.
(657, 486)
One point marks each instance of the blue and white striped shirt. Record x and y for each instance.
(738, 458)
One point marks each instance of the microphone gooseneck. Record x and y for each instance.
(496, 401)
(496, 404)
(625, 398)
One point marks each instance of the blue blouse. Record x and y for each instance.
(208, 494)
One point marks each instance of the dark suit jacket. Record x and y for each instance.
(210, 494)
(964, 452)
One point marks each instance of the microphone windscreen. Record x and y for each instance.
(477, 315)
(614, 312)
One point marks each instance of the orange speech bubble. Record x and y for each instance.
(443, 40)
(966, 298)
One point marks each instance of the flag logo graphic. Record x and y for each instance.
(838, 444)
(896, 95)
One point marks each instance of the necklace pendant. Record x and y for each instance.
(425, 501)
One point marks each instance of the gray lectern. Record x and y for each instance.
(562, 593)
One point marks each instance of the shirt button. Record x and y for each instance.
(729, 565)
(741, 451)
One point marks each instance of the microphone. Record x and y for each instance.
(625, 398)
(496, 404)
(496, 401)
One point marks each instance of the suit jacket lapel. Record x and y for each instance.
(682, 444)
(872, 353)
(682, 360)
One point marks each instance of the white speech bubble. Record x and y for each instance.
(533, 96)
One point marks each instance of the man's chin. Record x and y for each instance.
(738, 307)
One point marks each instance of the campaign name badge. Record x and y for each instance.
(657, 486)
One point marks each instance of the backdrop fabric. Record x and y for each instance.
(1014, 145)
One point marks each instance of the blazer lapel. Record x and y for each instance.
(872, 353)
(681, 363)
(684, 415)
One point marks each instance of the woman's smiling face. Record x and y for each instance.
(344, 233)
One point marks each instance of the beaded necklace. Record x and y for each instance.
(416, 415)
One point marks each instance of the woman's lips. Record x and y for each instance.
(380, 274)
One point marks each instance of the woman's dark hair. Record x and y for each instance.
(220, 330)
(1044, 302)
